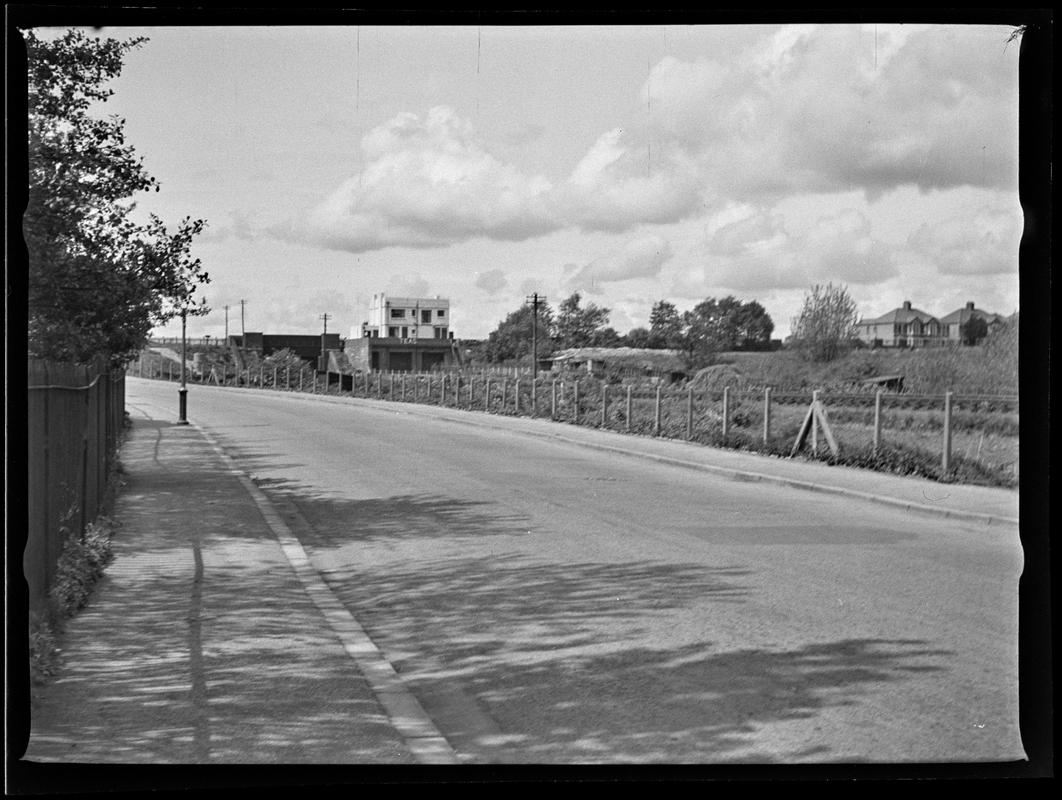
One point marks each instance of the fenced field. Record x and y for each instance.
(951, 437)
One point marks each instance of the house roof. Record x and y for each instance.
(963, 315)
(901, 315)
(642, 358)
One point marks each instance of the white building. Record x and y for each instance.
(406, 318)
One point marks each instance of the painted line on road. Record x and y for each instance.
(408, 717)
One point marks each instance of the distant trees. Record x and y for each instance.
(826, 325)
(582, 326)
(98, 281)
(666, 327)
(974, 330)
(511, 340)
(710, 327)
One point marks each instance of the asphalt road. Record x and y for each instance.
(550, 603)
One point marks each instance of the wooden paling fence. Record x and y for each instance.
(75, 416)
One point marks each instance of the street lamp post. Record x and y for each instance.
(183, 391)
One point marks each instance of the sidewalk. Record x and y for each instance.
(208, 640)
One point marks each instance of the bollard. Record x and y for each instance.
(767, 415)
(628, 415)
(656, 414)
(946, 461)
(877, 420)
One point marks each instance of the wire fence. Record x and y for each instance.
(971, 438)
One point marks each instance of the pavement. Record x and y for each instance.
(211, 639)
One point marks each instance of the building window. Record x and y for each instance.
(425, 316)
(440, 313)
(398, 313)
(392, 332)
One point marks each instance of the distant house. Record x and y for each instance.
(902, 327)
(629, 362)
(403, 334)
(954, 322)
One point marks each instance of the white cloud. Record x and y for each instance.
(640, 258)
(985, 243)
(492, 281)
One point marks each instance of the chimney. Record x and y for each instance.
(906, 305)
(969, 306)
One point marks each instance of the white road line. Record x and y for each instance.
(407, 715)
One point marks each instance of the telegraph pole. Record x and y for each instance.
(243, 328)
(324, 333)
(535, 300)
(226, 326)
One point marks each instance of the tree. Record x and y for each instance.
(638, 337)
(512, 338)
(826, 323)
(753, 326)
(98, 281)
(974, 330)
(666, 327)
(576, 325)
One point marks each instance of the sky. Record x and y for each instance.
(630, 164)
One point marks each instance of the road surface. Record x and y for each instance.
(550, 603)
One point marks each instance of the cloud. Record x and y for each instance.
(832, 108)
(425, 183)
(640, 258)
(805, 109)
(492, 281)
(757, 253)
(985, 243)
(408, 285)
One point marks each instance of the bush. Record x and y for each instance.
(80, 566)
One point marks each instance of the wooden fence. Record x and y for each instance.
(75, 416)
(977, 428)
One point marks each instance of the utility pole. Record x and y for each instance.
(243, 327)
(226, 326)
(324, 333)
(535, 300)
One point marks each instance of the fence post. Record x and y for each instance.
(656, 413)
(814, 423)
(726, 411)
(946, 461)
(516, 394)
(877, 420)
(471, 388)
(767, 415)
(391, 387)
(553, 400)
(505, 392)
(140, 365)
(628, 415)
(689, 413)
(486, 394)
(604, 404)
(287, 377)
(575, 401)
